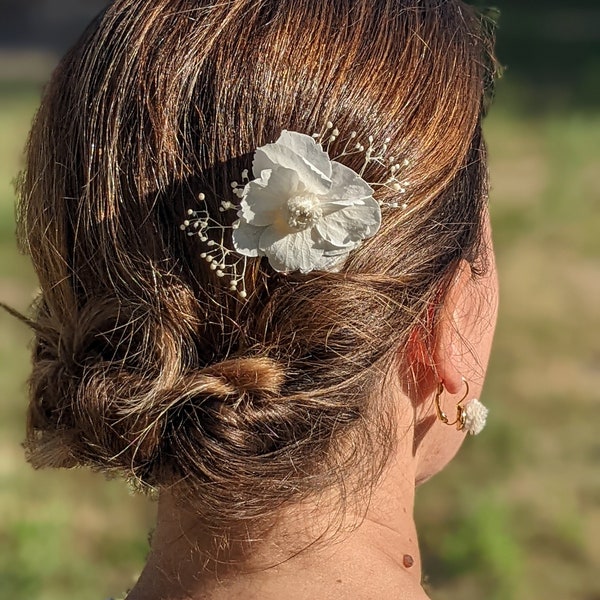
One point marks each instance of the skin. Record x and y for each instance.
(368, 563)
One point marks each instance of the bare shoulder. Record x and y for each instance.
(401, 588)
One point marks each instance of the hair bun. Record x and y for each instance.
(255, 376)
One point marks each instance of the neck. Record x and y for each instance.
(377, 559)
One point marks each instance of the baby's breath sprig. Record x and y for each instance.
(373, 154)
(223, 260)
(238, 190)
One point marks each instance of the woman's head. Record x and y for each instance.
(144, 363)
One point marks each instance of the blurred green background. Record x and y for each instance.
(517, 515)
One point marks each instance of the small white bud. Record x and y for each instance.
(201, 197)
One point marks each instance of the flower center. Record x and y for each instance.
(304, 211)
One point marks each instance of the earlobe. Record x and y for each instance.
(447, 347)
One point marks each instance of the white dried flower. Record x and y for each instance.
(474, 416)
(303, 211)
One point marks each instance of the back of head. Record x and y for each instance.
(144, 363)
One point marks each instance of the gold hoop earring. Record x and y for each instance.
(471, 417)
(442, 416)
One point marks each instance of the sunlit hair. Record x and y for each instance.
(144, 364)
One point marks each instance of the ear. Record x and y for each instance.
(448, 344)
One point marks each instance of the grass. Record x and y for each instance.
(515, 517)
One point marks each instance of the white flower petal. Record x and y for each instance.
(332, 262)
(351, 224)
(306, 147)
(347, 185)
(264, 198)
(245, 238)
(274, 155)
(292, 252)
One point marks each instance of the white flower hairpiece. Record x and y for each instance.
(303, 210)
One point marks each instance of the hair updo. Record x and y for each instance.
(144, 364)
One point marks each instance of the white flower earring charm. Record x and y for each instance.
(470, 417)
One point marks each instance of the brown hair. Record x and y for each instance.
(143, 363)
